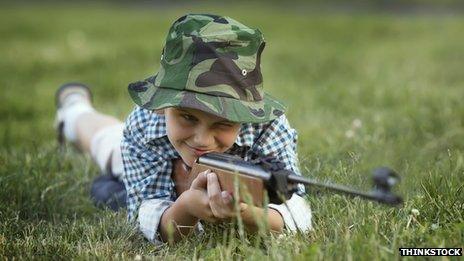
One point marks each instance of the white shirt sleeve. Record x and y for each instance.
(149, 217)
(296, 214)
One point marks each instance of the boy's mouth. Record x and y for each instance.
(198, 152)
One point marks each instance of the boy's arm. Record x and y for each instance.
(147, 173)
(177, 213)
(191, 206)
(176, 221)
(195, 203)
(251, 215)
(279, 140)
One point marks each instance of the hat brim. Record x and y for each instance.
(151, 97)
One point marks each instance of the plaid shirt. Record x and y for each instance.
(147, 157)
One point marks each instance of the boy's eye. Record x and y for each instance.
(189, 117)
(225, 125)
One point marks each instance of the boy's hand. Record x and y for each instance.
(196, 199)
(221, 202)
(189, 207)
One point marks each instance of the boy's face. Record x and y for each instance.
(193, 132)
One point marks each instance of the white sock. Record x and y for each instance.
(73, 107)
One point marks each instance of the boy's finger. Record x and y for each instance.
(210, 217)
(201, 180)
(214, 190)
(243, 207)
(226, 198)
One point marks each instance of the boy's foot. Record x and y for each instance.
(73, 88)
(71, 99)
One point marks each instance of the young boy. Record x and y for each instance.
(207, 96)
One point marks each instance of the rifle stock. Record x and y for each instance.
(249, 186)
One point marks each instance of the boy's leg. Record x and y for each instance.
(89, 130)
(89, 124)
(105, 149)
(108, 191)
(95, 133)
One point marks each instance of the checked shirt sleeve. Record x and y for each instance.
(147, 174)
(279, 140)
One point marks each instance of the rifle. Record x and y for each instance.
(258, 177)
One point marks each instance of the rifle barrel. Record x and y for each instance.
(343, 189)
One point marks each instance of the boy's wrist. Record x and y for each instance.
(179, 217)
(184, 202)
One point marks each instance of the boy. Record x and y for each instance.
(207, 96)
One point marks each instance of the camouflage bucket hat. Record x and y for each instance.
(210, 63)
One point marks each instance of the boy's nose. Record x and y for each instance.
(203, 139)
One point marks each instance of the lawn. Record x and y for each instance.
(364, 90)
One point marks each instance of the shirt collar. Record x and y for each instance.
(156, 128)
(246, 136)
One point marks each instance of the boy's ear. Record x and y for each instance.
(159, 112)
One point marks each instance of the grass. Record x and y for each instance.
(364, 90)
